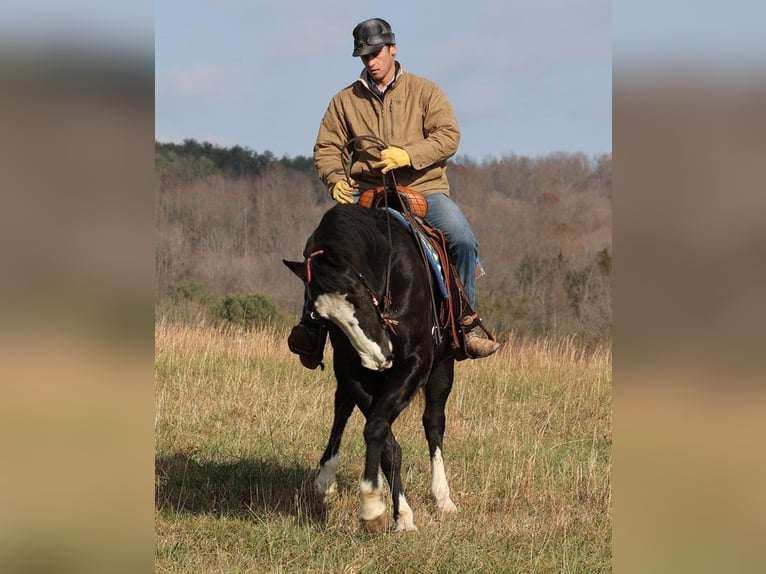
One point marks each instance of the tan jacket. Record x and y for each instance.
(414, 114)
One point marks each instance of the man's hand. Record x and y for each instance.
(342, 192)
(392, 158)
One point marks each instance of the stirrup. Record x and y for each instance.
(467, 324)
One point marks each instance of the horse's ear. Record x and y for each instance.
(297, 267)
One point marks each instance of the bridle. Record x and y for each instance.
(308, 264)
(388, 323)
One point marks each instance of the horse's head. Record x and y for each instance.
(341, 295)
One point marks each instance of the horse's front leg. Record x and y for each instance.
(437, 391)
(391, 462)
(325, 483)
(372, 509)
(384, 453)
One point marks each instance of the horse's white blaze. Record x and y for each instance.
(325, 483)
(439, 486)
(336, 308)
(405, 520)
(372, 504)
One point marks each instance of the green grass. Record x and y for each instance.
(240, 427)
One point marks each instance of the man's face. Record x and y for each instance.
(380, 64)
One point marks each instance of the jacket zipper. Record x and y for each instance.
(388, 132)
(391, 119)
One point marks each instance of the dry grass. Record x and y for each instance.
(240, 426)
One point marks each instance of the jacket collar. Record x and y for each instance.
(364, 78)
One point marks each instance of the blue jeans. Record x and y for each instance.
(444, 214)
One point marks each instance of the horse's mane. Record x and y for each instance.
(348, 235)
(350, 231)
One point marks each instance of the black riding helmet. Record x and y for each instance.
(371, 35)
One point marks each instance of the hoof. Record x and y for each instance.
(405, 527)
(324, 493)
(313, 504)
(445, 510)
(448, 508)
(376, 525)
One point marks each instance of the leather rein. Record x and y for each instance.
(357, 144)
(362, 143)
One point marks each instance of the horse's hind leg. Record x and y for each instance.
(437, 391)
(391, 464)
(325, 483)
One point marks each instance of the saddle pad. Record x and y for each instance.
(433, 258)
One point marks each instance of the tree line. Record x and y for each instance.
(226, 217)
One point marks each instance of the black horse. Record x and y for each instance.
(367, 277)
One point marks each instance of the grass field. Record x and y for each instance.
(240, 427)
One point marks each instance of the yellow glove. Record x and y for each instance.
(342, 192)
(392, 158)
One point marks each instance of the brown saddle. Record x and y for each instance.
(401, 198)
(454, 313)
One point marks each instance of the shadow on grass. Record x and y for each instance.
(243, 489)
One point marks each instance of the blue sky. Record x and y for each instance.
(526, 78)
(716, 35)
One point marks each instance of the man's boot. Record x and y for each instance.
(478, 347)
(307, 340)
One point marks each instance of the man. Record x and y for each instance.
(416, 120)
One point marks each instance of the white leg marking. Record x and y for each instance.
(372, 505)
(325, 483)
(405, 521)
(439, 486)
(336, 308)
